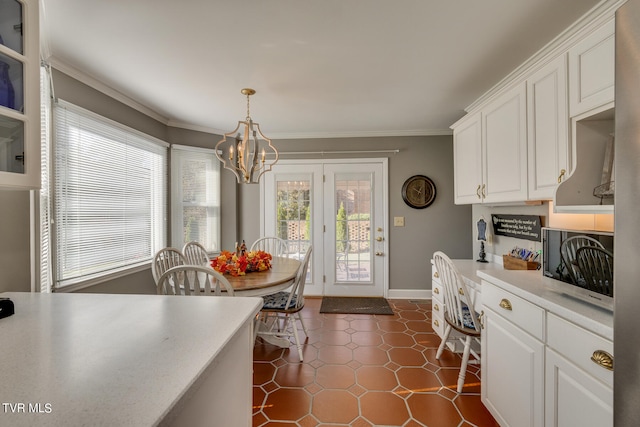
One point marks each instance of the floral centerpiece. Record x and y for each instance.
(239, 264)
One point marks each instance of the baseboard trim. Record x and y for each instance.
(409, 294)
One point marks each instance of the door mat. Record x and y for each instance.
(355, 305)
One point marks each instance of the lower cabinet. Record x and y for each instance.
(512, 372)
(539, 369)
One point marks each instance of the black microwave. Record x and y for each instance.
(591, 277)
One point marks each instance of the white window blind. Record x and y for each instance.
(44, 204)
(110, 195)
(195, 197)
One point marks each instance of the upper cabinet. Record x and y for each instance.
(592, 70)
(19, 95)
(548, 130)
(504, 142)
(490, 161)
(529, 134)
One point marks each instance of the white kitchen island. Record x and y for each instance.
(126, 360)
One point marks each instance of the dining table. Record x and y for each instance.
(279, 277)
(260, 283)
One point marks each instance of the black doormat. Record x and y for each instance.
(355, 305)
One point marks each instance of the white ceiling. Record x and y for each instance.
(321, 68)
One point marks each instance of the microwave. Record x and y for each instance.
(559, 262)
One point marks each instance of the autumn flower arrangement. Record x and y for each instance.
(239, 264)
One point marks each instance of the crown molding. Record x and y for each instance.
(100, 86)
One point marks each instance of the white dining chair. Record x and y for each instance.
(458, 314)
(196, 254)
(281, 310)
(273, 245)
(193, 280)
(164, 259)
(568, 253)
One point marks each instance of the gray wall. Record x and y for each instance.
(442, 226)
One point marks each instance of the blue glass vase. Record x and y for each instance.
(7, 94)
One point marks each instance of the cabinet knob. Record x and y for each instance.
(378, 239)
(436, 307)
(478, 192)
(562, 172)
(460, 291)
(602, 358)
(436, 275)
(436, 291)
(435, 322)
(506, 304)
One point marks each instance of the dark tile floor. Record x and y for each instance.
(364, 371)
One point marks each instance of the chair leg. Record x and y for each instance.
(447, 331)
(304, 328)
(465, 361)
(294, 327)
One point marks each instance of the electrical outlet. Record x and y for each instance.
(398, 221)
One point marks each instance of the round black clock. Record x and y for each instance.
(418, 192)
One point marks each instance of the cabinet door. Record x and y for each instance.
(573, 397)
(512, 373)
(467, 160)
(547, 129)
(592, 70)
(19, 95)
(504, 166)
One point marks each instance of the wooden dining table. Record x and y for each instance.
(259, 283)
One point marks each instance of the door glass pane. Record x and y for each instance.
(11, 145)
(11, 24)
(294, 217)
(353, 227)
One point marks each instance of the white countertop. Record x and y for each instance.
(112, 360)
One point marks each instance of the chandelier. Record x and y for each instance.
(245, 154)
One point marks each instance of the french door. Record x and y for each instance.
(339, 207)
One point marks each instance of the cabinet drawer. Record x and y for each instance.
(437, 294)
(518, 311)
(438, 324)
(579, 346)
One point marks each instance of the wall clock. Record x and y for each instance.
(418, 192)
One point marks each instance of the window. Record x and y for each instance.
(195, 197)
(109, 195)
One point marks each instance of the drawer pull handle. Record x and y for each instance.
(602, 358)
(562, 172)
(478, 192)
(506, 304)
(460, 291)
(436, 275)
(436, 307)
(436, 291)
(435, 322)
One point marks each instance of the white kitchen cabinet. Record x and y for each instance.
(490, 151)
(19, 95)
(592, 70)
(579, 376)
(512, 358)
(547, 129)
(467, 160)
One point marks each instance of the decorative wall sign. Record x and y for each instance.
(519, 226)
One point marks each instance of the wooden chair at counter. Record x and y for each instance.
(281, 310)
(458, 315)
(568, 252)
(196, 254)
(193, 280)
(273, 245)
(596, 268)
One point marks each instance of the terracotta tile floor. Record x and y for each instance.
(364, 371)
